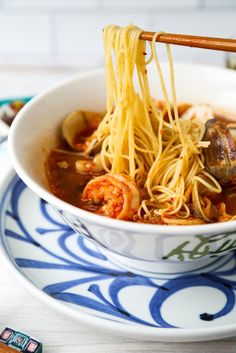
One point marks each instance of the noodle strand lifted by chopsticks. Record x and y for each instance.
(162, 156)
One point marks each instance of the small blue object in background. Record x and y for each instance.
(10, 107)
(19, 342)
(10, 100)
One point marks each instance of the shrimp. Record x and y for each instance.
(89, 166)
(202, 112)
(116, 196)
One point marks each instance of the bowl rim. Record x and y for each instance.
(200, 229)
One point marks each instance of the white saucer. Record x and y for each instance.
(72, 276)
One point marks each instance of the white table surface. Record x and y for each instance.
(59, 334)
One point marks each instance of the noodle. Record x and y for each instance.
(161, 156)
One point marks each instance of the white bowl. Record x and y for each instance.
(143, 248)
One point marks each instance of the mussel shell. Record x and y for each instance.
(77, 122)
(220, 156)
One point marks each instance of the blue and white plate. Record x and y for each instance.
(71, 275)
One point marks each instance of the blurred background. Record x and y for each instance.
(44, 41)
(68, 33)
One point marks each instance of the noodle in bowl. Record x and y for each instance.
(142, 248)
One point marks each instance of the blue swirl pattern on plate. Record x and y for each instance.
(77, 273)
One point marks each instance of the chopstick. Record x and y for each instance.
(212, 43)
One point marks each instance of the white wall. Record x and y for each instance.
(69, 32)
